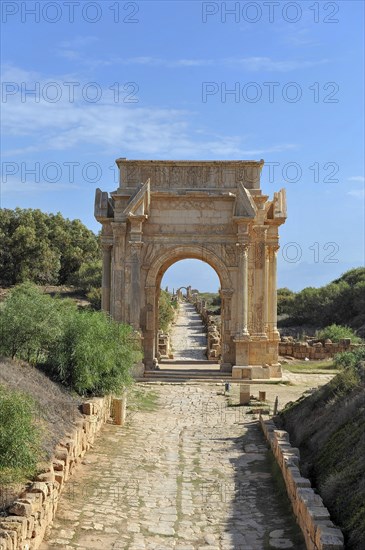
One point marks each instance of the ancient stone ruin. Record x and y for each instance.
(215, 211)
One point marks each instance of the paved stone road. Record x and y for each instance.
(194, 474)
(188, 338)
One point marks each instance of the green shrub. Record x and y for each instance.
(165, 311)
(20, 438)
(337, 332)
(86, 351)
(30, 322)
(94, 297)
(350, 359)
(88, 276)
(95, 354)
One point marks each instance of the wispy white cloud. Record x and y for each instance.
(73, 49)
(357, 193)
(105, 125)
(253, 64)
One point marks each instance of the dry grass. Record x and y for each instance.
(311, 367)
(57, 408)
(63, 291)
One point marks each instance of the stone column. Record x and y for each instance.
(259, 262)
(272, 253)
(135, 304)
(106, 277)
(149, 335)
(242, 297)
(227, 344)
(267, 293)
(117, 308)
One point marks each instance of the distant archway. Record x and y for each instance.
(214, 211)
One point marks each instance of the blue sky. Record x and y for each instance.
(152, 80)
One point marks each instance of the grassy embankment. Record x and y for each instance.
(329, 428)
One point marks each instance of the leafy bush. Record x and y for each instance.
(20, 438)
(30, 323)
(165, 311)
(349, 359)
(94, 297)
(337, 332)
(95, 354)
(88, 276)
(86, 351)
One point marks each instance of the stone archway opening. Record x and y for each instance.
(154, 279)
(192, 336)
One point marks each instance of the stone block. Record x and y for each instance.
(12, 530)
(30, 527)
(275, 371)
(41, 488)
(328, 537)
(23, 524)
(236, 372)
(281, 435)
(244, 395)
(257, 372)
(246, 373)
(5, 540)
(61, 453)
(87, 408)
(21, 508)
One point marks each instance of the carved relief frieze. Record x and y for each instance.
(230, 254)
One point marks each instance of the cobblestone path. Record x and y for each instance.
(189, 338)
(194, 474)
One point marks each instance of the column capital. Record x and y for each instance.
(106, 244)
(227, 292)
(272, 247)
(259, 232)
(242, 248)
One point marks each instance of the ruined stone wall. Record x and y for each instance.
(27, 519)
(311, 514)
(214, 349)
(315, 349)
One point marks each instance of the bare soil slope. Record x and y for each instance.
(56, 408)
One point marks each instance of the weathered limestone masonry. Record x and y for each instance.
(312, 516)
(214, 350)
(29, 516)
(316, 350)
(215, 211)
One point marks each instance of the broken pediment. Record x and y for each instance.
(279, 204)
(103, 205)
(139, 203)
(244, 206)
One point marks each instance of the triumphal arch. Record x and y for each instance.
(215, 211)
